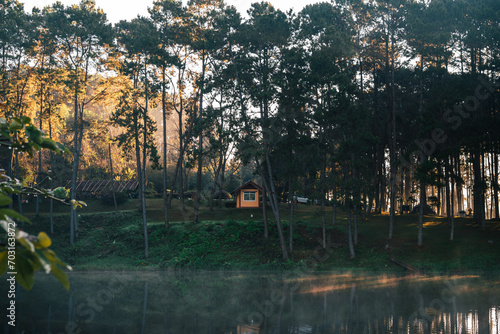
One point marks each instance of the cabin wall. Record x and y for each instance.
(241, 203)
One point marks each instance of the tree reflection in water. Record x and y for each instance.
(242, 303)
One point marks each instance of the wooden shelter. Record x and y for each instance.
(98, 187)
(248, 195)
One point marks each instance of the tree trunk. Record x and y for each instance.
(393, 152)
(478, 190)
(19, 197)
(452, 207)
(334, 204)
(349, 234)
(39, 176)
(458, 173)
(76, 157)
(222, 180)
(408, 185)
(492, 178)
(51, 154)
(112, 176)
(322, 192)
(143, 204)
(180, 161)
(216, 184)
(165, 147)
(264, 209)
(447, 189)
(180, 166)
(269, 184)
(292, 205)
(355, 225)
(143, 176)
(423, 203)
(495, 185)
(10, 164)
(200, 143)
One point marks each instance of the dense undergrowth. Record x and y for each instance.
(114, 241)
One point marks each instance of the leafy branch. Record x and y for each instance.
(23, 254)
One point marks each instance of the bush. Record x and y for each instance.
(107, 198)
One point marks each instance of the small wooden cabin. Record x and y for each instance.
(248, 195)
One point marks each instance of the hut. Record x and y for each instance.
(247, 196)
(96, 188)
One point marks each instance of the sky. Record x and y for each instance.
(117, 10)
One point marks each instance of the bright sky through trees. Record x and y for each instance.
(117, 10)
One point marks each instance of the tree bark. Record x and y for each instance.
(76, 157)
(143, 176)
(51, 178)
(39, 176)
(349, 234)
(423, 204)
(334, 204)
(393, 152)
(269, 185)
(478, 190)
(112, 176)
(495, 185)
(322, 192)
(447, 189)
(292, 205)
(452, 207)
(200, 144)
(165, 147)
(216, 184)
(264, 209)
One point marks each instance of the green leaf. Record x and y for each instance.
(49, 144)
(25, 119)
(15, 125)
(5, 200)
(34, 134)
(5, 134)
(54, 259)
(61, 276)
(13, 214)
(25, 273)
(26, 243)
(60, 192)
(3, 262)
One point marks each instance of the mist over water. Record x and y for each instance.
(248, 303)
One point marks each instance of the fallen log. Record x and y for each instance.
(405, 265)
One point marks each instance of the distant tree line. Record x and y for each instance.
(367, 105)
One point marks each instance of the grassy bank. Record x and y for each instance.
(233, 239)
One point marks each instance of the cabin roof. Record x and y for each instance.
(248, 185)
(99, 186)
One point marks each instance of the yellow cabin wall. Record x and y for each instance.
(240, 203)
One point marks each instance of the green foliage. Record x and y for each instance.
(61, 192)
(23, 253)
(25, 137)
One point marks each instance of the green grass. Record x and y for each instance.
(230, 238)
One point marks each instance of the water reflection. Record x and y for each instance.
(228, 303)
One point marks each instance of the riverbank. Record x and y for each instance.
(114, 241)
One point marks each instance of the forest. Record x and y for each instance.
(363, 106)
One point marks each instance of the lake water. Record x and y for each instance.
(248, 303)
